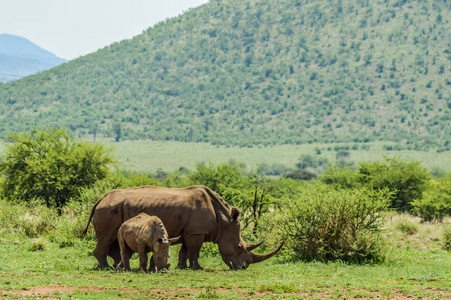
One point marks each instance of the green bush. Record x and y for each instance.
(301, 175)
(133, 179)
(436, 201)
(307, 161)
(37, 245)
(341, 178)
(447, 238)
(51, 165)
(93, 193)
(219, 178)
(337, 225)
(406, 180)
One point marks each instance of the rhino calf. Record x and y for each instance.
(144, 234)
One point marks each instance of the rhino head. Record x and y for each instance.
(235, 252)
(160, 258)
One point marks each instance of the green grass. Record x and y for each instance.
(416, 266)
(146, 155)
(70, 272)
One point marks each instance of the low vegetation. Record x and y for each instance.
(55, 262)
(343, 228)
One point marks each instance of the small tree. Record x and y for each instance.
(408, 180)
(341, 178)
(117, 128)
(436, 201)
(51, 165)
(219, 177)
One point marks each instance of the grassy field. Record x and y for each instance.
(44, 267)
(168, 156)
(416, 267)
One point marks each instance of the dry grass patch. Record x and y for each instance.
(404, 230)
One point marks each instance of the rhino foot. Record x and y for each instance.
(195, 266)
(182, 267)
(103, 268)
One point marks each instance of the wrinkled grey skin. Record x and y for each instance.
(195, 213)
(144, 234)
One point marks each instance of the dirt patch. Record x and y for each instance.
(189, 293)
(57, 289)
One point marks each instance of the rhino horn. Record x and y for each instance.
(253, 246)
(261, 257)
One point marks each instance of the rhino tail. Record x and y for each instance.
(92, 214)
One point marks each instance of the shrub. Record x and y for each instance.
(274, 169)
(341, 178)
(301, 175)
(93, 193)
(447, 238)
(37, 245)
(310, 161)
(51, 165)
(219, 177)
(436, 201)
(337, 225)
(406, 180)
(133, 179)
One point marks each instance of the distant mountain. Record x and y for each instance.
(250, 72)
(19, 57)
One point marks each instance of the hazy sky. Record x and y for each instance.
(72, 28)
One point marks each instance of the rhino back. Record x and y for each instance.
(142, 229)
(183, 211)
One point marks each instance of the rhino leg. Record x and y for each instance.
(193, 245)
(152, 267)
(115, 253)
(142, 257)
(183, 256)
(127, 253)
(101, 251)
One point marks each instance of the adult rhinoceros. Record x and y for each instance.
(196, 213)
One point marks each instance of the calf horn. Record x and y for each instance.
(253, 246)
(261, 257)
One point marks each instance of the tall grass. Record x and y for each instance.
(447, 237)
(32, 220)
(404, 230)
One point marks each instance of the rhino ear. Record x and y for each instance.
(175, 240)
(235, 213)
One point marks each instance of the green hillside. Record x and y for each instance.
(251, 72)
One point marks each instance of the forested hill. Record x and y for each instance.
(259, 72)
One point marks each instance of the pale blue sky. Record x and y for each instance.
(72, 28)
